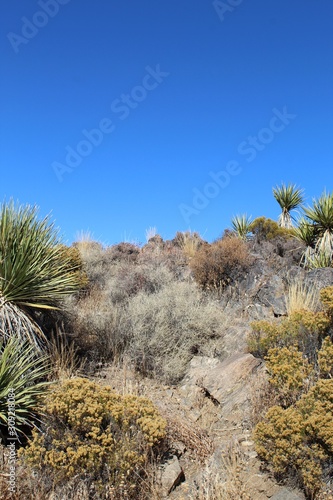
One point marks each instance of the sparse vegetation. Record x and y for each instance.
(156, 312)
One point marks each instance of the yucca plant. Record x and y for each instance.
(241, 225)
(34, 274)
(319, 259)
(306, 232)
(289, 197)
(321, 215)
(21, 385)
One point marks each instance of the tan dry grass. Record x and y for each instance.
(223, 483)
(190, 244)
(64, 360)
(302, 296)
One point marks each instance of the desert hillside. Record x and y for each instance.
(175, 369)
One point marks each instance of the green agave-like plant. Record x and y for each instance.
(318, 259)
(241, 225)
(34, 274)
(321, 215)
(289, 197)
(305, 231)
(21, 385)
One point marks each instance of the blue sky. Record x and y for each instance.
(118, 116)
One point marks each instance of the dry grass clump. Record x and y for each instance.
(223, 483)
(64, 362)
(189, 242)
(221, 263)
(301, 296)
(171, 326)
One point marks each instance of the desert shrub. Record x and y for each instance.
(71, 255)
(98, 326)
(267, 229)
(92, 254)
(127, 281)
(298, 440)
(296, 436)
(221, 263)
(99, 320)
(168, 255)
(289, 374)
(302, 329)
(93, 434)
(124, 252)
(326, 297)
(325, 359)
(168, 328)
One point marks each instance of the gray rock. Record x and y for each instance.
(171, 475)
(272, 294)
(285, 494)
(226, 383)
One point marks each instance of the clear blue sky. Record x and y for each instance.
(181, 91)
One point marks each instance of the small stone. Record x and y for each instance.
(247, 443)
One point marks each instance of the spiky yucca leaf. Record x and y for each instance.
(21, 373)
(321, 214)
(34, 272)
(14, 321)
(288, 197)
(318, 259)
(241, 225)
(305, 231)
(31, 270)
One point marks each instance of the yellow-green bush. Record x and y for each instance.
(299, 440)
(92, 433)
(296, 437)
(326, 296)
(302, 329)
(267, 229)
(325, 359)
(289, 373)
